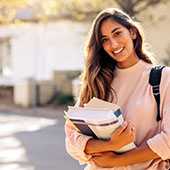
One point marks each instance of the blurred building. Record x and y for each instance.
(156, 23)
(49, 54)
(52, 53)
(34, 51)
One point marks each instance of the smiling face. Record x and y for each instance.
(117, 41)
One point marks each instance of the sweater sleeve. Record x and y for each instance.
(160, 143)
(75, 144)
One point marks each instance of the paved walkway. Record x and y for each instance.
(33, 139)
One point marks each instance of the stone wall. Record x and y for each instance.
(62, 80)
(32, 93)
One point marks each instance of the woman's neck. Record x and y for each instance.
(130, 61)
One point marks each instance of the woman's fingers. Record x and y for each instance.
(97, 154)
(124, 135)
(129, 133)
(108, 153)
(121, 128)
(129, 128)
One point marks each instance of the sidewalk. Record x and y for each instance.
(47, 111)
(34, 139)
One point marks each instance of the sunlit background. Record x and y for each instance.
(38, 37)
(42, 55)
(13, 155)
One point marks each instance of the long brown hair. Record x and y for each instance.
(99, 68)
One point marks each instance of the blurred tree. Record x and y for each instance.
(82, 9)
(134, 7)
(44, 10)
(8, 9)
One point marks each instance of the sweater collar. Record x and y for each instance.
(130, 70)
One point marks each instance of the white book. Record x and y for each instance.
(98, 119)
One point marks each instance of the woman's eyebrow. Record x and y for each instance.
(111, 31)
(115, 29)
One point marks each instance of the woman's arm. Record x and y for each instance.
(141, 154)
(75, 144)
(121, 137)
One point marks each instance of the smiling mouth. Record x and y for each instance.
(118, 51)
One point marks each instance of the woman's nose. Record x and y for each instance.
(114, 43)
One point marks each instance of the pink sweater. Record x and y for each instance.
(137, 103)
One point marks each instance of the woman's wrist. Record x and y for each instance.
(96, 145)
(113, 146)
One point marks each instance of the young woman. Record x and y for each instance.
(117, 70)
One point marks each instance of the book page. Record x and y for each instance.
(91, 114)
(98, 103)
(104, 129)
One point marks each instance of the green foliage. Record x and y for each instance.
(46, 10)
(6, 87)
(134, 7)
(63, 100)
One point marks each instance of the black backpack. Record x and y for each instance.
(154, 81)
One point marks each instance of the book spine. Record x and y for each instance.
(71, 123)
(83, 127)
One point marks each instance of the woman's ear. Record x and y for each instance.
(133, 33)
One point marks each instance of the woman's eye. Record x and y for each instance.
(117, 33)
(104, 40)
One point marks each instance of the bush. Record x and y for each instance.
(63, 100)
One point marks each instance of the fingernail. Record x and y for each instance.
(124, 124)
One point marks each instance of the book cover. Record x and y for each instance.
(83, 127)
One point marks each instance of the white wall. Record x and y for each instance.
(38, 49)
(156, 22)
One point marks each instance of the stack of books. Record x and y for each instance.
(97, 118)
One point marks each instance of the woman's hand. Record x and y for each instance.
(121, 137)
(105, 159)
(124, 135)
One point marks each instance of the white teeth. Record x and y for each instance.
(118, 51)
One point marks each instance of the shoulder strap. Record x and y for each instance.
(154, 81)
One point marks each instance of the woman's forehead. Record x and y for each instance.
(109, 25)
(109, 21)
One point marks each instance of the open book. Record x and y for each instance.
(98, 119)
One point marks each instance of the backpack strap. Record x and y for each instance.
(154, 81)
